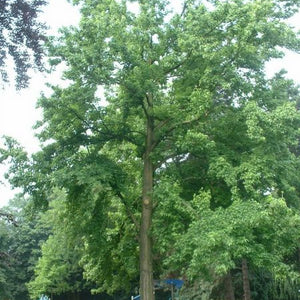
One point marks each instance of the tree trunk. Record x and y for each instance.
(246, 283)
(229, 291)
(146, 271)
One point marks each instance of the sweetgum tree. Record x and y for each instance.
(149, 119)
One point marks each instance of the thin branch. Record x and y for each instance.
(128, 211)
(169, 70)
(183, 8)
(8, 217)
(108, 133)
(162, 124)
(174, 67)
(159, 164)
(187, 122)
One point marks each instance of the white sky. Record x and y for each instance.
(17, 109)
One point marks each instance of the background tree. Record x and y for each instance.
(21, 37)
(5, 289)
(20, 249)
(247, 169)
(58, 270)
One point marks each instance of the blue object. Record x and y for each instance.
(138, 297)
(176, 282)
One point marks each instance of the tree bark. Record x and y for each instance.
(229, 291)
(146, 271)
(246, 282)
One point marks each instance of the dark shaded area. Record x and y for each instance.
(159, 295)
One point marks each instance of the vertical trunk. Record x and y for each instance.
(298, 258)
(172, 292)
(246, 283)
(146, 272)
(229, 291)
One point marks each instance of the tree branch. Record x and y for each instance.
(129, 212)
(183, 8)
(108, 132)
(8, 217)
(187, 122)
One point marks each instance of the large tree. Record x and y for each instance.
(151, 91)
(21, 37)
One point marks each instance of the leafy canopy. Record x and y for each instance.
(186, 93)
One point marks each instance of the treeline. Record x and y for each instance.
(169, 154)
(38, 258)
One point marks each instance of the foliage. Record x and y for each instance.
(21, 37)
(58, 269)
(264, 233)
(231, 180)
(170, 113)
(5, 289)
(51, 265)
(20, 244)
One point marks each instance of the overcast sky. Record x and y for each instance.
(17, 109)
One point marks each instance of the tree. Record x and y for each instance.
(258, 233)
(173, 83)
(58, 271)
(4, 261)
(21, 37)
(19, 250)
(252, 158)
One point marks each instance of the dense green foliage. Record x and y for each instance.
(19, 250)
(58, 271)
(169, 137)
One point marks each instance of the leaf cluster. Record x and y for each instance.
(21, 37)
